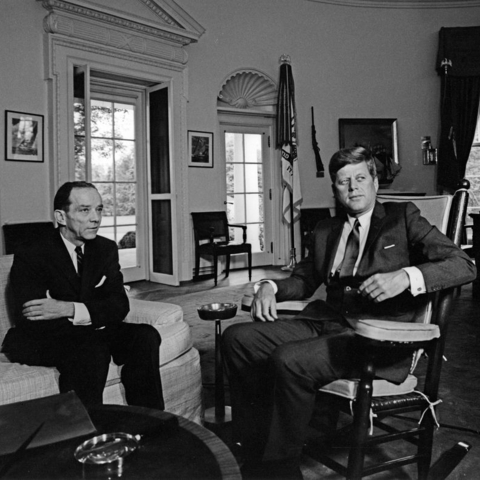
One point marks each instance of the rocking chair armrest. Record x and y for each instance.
(396, 332)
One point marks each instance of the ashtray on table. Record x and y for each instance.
(107, 448)
(217, 311)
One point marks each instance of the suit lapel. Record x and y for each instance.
(93, 260)
(376, 224)
(332, 242)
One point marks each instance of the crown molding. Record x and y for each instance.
(413, 4)
(171, 24)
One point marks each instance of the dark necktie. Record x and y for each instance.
(351, 251)
(78, 251)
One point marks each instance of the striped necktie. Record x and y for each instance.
(351, 251)
(78, 251)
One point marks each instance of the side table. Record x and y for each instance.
(171, 447)
(217, 312)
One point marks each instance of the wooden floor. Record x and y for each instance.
(236, 277)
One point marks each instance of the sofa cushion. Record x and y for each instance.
(153, 313)
(22, 382)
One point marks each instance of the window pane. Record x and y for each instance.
(102, 160)
(254, 208)
(231, 209)
(237, 148)
(253, 148)
(79, 117)
(127, 243)
(253, 177)
(239, 208)
(106, 192)
(229, 178)
(102, 119)
(238, 178)
(126, 203)
(80, 172)
(255, 236)
(124, 121)
(124, 161)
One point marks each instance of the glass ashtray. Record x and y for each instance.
(106, 448)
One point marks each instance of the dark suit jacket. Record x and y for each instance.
(398, 237)
(47, 266)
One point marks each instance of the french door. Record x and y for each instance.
(248, 190)
(109, 148)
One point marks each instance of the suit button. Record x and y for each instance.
(347, 289)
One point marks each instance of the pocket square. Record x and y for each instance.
(101, 282)
(389, 246)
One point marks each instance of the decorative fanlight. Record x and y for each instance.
(248, 89)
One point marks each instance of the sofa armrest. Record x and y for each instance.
(153, 313)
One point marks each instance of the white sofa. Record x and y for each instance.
(179, 361)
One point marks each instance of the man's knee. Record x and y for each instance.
(237, 337)
(147, 335)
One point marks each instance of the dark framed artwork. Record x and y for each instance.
(379, 135)
(200, 149)
(24, 133)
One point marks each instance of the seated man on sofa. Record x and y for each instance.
(70, 305)
(376, 261)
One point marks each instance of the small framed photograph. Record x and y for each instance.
(200, 149)
(23, 137)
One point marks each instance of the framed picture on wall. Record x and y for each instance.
(379, 135)
(23, 137)
(200, 149)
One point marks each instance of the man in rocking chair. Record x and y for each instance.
(376, 260)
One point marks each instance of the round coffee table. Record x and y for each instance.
(171, 447)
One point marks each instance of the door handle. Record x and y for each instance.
(230, 203)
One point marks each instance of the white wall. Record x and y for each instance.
(24, 187)
(347, 62)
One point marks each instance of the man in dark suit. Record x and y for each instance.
(70, 305)
(376, 260)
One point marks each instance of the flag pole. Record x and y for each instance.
(293, 255)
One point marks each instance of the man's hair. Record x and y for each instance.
(349, 156)
(62, 197)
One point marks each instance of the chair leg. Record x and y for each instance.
(227, 264)
(361, 424)
(197, 265)
(425, 446)
(215, 268)
(250, 265)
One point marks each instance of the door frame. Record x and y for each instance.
(265, 121)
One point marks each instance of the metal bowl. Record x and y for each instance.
(217, 311)
(106, 448)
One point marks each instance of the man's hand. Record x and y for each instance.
(264, 306)
(381, 286)
(47, 309)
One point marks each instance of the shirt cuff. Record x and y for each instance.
(271, 282)
(81, 315)
(417, 282)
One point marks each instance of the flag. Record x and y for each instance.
(290, 176)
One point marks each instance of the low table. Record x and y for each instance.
(171, 448)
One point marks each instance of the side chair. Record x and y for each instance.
(377, 407)
(212, 238)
